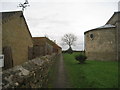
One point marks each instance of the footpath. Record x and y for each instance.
(60, 76)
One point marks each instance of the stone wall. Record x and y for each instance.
(101, 45)
(118, 36)
(31, 74)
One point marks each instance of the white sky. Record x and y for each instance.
(55, 18)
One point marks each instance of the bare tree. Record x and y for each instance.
(69, 39)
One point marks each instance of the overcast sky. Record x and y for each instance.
(54, 18)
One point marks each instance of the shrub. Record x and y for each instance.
(81, 58)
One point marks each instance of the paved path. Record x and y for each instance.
(61, 80)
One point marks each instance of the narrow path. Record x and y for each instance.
(60, 80)
(61, 76)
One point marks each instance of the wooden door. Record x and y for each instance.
(8, 59)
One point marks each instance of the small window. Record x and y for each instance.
(91, 36)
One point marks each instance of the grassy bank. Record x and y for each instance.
(93, 74)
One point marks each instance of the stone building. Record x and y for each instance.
(41, 46)
(102, 43)
(16, 38)
(44, 46)
(56, 48)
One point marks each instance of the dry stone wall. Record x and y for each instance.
(31, 74)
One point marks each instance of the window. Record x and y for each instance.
(91, 36)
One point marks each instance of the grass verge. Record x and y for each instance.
(93, 74)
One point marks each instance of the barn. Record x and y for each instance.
(102, 43)
(16, 38)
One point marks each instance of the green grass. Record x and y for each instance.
(93, 74)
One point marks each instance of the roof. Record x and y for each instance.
(107, 26)
(110, 24)
(43, 40)
(6, 15)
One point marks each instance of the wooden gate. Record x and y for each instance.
(8, 59)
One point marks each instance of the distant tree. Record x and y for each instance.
(69, 39)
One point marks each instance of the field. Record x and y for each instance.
(92, 74)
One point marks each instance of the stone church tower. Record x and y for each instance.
(103, 43)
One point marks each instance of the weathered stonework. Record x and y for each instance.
(31, 74)
(16, 36)
(103, 43)
(118, 38)
(102, 46)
